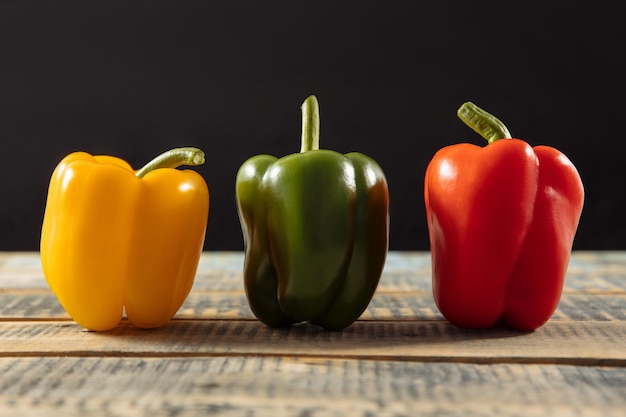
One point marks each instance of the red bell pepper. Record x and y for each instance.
(501, 221)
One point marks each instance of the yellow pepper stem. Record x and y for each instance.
(173, 159)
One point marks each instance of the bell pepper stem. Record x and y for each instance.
(173, 159)
(310, 124)
(486, 125)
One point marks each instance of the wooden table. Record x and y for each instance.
(400, 359)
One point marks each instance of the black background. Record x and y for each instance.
(133, 79)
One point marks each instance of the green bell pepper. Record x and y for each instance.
(316, 231)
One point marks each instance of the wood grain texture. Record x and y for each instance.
(276, 386)
(401, 358)
(560, 343)
(34, 305)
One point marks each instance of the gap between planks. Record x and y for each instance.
(584, 362)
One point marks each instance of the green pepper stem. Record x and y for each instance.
(310, 124)
(483, 123)
(173, 159)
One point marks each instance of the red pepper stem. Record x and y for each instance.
(310, 124)
(173, 159)
(486, 125)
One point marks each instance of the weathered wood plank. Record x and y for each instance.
(594, 272)
(595, 343)
(33, 304)
(404, 292)
(274, 386)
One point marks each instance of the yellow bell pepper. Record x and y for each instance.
(116, 240)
